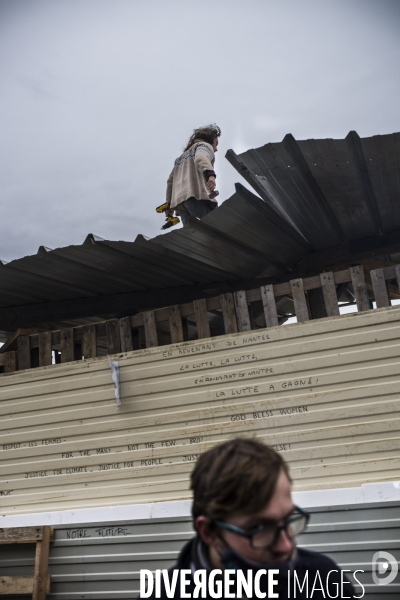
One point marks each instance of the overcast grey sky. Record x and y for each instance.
(98, 97)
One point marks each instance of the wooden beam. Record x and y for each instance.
(175, 324)
(228, 311)
(11, 343)
(113, 336)
(380, 289)
(24, 352)
(299, 299)
(397, 271)
(329, 292)
(150, 329)
(10, 363)
(45, 353)
(40, 577)
(269, 304)
(13, 586)
(125, 331)
(20, 535)
(360, 288)
(242, 311)
(201, 316)
(67, 345)
(89, 345)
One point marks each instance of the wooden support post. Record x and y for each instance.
(201, 316)
(380, 289)
(113, 336)
(269, 304)
(316, 304)
(228, 311)
(24, 352)
(125, 331)
(89, 347)
(299, 299)
(45, 354)
(175, 324)
(10, 363)
(40, 577)
(397, 270)
(329, 292)
(67, 345)
(150, 329)
(37, 586)
(360, 288)
(242, 311)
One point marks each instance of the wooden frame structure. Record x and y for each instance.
(121, 335)
(37, 586)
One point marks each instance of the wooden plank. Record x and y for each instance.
(299, 299)
(45, 354)
(10, 363)
(397, 271)
(113, 336)
(20, 535)
(125, 332)
(67, 344)
(24, 352)
(150, 329)
(201, 316)
(175, 324)
(40, 577)
(89, 348)
(242, 311)
(329, 292)
(360, 288)
(269, 304)
(12, 586)
(228, 311)
(11, 343)
(379, 287)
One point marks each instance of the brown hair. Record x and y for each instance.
(208, 133)
(237, 476)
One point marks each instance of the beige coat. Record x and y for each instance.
(187, 179)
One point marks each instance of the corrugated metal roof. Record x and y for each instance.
(316, 195)
(237, 241)
(333, 191)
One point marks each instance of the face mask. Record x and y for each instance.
(232, 560)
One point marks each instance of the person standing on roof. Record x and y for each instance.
(191, 184)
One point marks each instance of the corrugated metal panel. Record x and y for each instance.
(103, 561)
(241, 239)
(331, 190)
(329, 388)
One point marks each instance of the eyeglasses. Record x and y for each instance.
(266, 537)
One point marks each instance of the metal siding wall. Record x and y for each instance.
(325, 393)
(105, 564)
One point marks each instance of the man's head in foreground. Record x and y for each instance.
(242, 502)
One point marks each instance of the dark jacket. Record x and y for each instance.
(305, 562)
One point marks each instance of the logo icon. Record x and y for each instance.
(384, 563)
